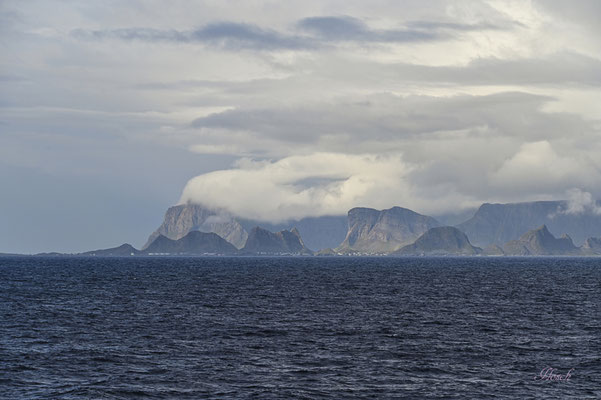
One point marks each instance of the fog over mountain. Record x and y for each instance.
(282, 111)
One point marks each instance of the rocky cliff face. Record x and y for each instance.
(373, 231)
(182, 219)
(194, 243)
(499, 223)
(262, 241)
(321, 232)
(441, 241)
(541, 242)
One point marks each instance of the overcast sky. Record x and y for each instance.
(111, 111)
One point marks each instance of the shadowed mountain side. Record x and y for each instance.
(262, 241)
(373, 231)
(184, 218)
(541, 242)
(194, 242)
(501, 223)
(591, 246)
(125, 249)
(441, 241)
(317, 232)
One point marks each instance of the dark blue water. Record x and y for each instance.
(236, 328)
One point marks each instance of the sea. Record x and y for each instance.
(300, 328)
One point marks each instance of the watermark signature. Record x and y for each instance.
(550, 374)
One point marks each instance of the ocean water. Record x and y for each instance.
(310, 328)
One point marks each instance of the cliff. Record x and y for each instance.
(185, 218)
(373, 231)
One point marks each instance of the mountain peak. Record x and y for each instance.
(540, 241)
(495, 223)
(184, 218)
(195, 242)
(262, 241)
(442, 240)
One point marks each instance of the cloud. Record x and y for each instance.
(316, 32)
(347, 29)
(389, 120)
(226, 35)
(537, 167)
(278, 191)
(580, 202)
(552, 69)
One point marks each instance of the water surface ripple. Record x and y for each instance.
(312, 328)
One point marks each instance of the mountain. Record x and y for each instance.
(500, 223)
(493, 250)
(321, 232)
(262, 241)
(194, 242)
(373, 231)
(591, 247)
(184, 218)
(125, 249)
(317, 232)
(441, 241)
(541, 242)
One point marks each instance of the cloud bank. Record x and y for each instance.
(300, 186)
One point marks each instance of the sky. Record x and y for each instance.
(112, 111)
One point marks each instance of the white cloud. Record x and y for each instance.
(299, 186)
(581, 202)
(538, 168)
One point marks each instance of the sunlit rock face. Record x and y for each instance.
(182, 219)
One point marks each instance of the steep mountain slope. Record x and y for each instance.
(373, 231)
(500, 223)
(317, 232)
(443, 240)
(182, 219)
(262, 241)
(194, 242)
(321, 232)
(541, 242)
(591, 247)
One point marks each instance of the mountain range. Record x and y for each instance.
(517, 229)
(319, 232)
(497, 224)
